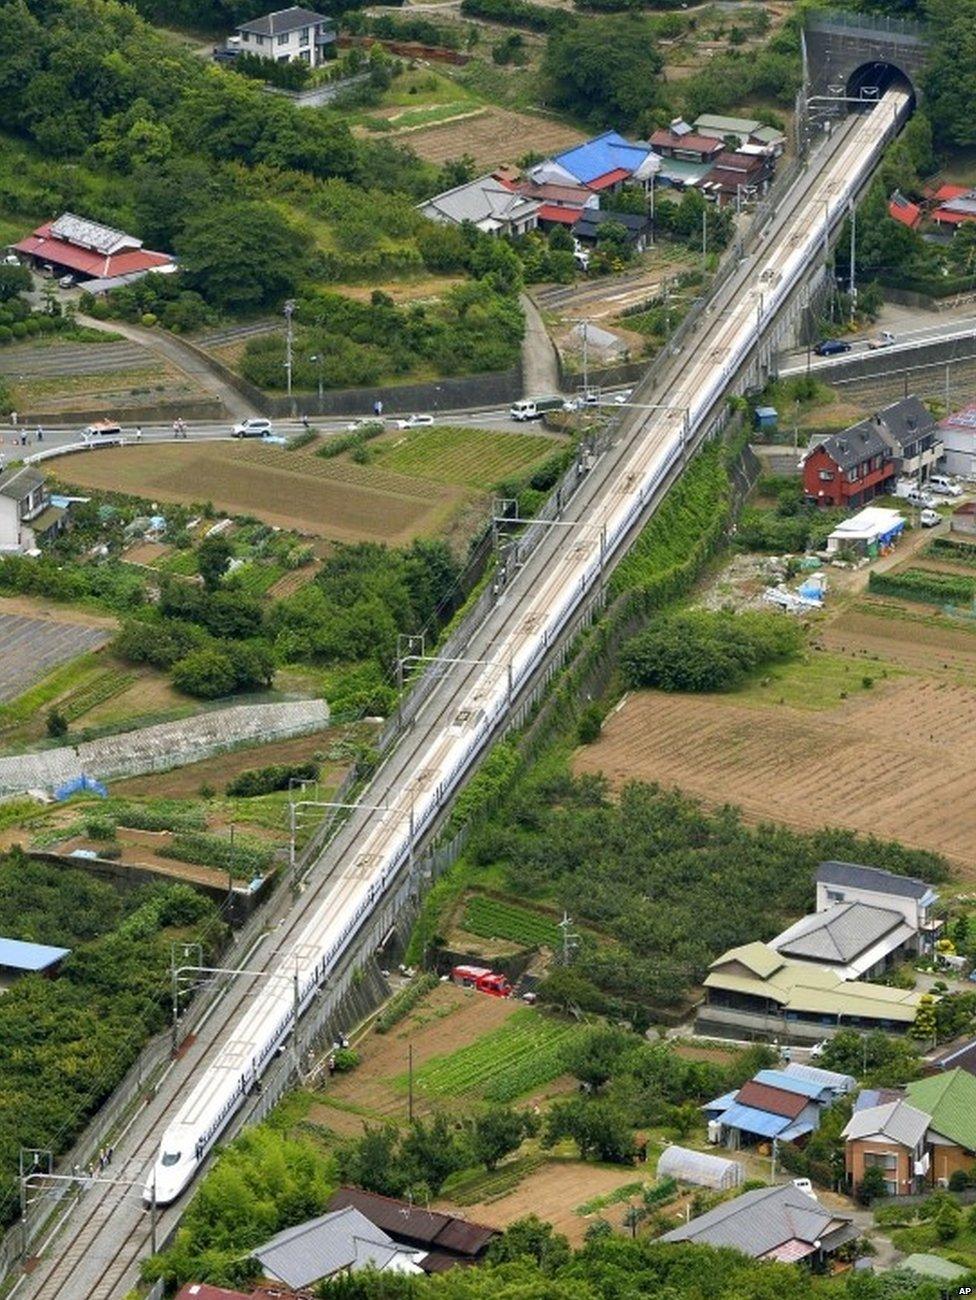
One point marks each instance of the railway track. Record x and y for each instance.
(97, 1253)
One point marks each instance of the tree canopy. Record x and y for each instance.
(606, 70)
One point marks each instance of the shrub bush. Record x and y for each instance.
(701, 650)
(265, 780)
(924, 585)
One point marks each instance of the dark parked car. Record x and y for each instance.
(831, 347)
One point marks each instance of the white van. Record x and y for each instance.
(943, 487)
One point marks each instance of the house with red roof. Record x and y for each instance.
(955, 209)
(904, 211)
(98, 257)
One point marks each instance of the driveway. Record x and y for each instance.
(540, 370)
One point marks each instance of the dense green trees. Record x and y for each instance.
(242, 256)
(65, 1043)
(705, 650)
(653, 863)
(606, 70)
(951, 74)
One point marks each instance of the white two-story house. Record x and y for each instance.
(288, 35)
(26, 513)
(850, 882)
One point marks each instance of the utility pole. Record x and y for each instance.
(652, 212)
(585, 324)
(289, 310)
(705, 238)
(319, 360)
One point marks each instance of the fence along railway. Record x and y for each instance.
(558, 585)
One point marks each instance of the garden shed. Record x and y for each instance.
(699, 1168)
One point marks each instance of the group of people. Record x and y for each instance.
(100, 1164)
(179, 430)
(23, 438)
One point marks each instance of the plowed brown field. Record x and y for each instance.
(492, 136)
(893, 762)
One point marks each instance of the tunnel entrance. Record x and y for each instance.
(869, 81)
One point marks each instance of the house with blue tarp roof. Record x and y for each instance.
(604, 163)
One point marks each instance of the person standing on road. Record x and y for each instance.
(138, 433)
(176, 428)
(40, 434)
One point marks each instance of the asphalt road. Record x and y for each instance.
(946, 329)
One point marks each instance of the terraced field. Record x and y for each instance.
(493, 918)
(524, 1053)
(474, 458)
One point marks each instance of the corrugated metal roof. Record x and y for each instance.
(829, 1078)
(406, 1222)
(791, 1083)
(778, 1101)
(751, 1120)
(950, 1099)
(17, 955)
(605, 153)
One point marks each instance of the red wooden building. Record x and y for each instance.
(849, 469)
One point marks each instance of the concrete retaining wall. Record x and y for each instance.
(166, 745)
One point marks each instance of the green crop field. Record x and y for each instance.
(106, 684)
(473, 458)
(491, 918)
(524, 1053)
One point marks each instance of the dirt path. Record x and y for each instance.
(540, 369)
(190, 360)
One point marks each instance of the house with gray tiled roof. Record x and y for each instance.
(490, 204)
(775, 1223)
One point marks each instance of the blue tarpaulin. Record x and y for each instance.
(80, 784)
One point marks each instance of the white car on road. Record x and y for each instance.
(255, 427)
(414, 421)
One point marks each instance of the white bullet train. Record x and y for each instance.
(336, 918)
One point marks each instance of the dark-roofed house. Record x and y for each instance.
(18, 958)
(287, 35)
(850, 468)
(587, 228)
(851, 882)
(960, 1056)
(342, 1241)
(737, 176)
(678, 141)
(447, 1240)
(761, 1111)
(777, 1223)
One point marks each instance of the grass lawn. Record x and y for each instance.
(817, 681)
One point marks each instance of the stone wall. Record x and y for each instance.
(166, 745)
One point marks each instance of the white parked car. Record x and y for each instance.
(943, 487)
(414, 421)
(255, 427)
(625, 396)
(930, 519)
(917, 498)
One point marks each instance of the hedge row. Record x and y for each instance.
(402, 1003)
(921, 584)
(242, 858)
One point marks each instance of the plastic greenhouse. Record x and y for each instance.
(698, 1168)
